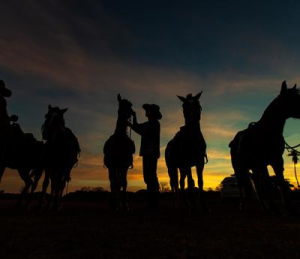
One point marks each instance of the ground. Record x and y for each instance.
(85, 229)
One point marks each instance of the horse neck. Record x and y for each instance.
(192, 124)
(121, 127)
(273, 120)
(57, 134)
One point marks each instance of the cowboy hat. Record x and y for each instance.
(154, 109)
(3, 90)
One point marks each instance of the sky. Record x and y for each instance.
(80, 54)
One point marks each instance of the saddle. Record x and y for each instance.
(243, 138)
(19, 147)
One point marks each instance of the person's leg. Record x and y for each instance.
(150, 176)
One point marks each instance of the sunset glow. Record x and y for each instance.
(81, 55)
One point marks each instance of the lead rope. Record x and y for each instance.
(4, 149)
(294, 154)
(67, 188)
(206, 159)
(130, 121)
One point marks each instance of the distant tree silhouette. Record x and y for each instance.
(92, 189)
(262, 144)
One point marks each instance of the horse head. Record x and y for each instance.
(289, 100)
(191, 108)
(54, 122)
(125, 108)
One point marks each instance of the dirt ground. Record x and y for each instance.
(90, 230)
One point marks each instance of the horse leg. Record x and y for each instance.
(191, 184)
(58, 182)
(53, 186)
(112, 172)
(123, 182)
(44, 188)
(264, 188)
(25, 176)
(37, 174)
(183, 174)
(239, 172)
(285, 190)
(2, 169)
(173, 174)
(65, 179)
(199, 169)
(244, 184)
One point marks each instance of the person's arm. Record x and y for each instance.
(3, 111)
(138, 128)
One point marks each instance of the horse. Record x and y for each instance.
(61, 155)
(118, 156)
(262, 144)
(22, 152)
(187, 149)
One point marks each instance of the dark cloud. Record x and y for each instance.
(81, 54)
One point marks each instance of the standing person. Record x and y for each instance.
(4, 123)
(4, 118)
(150, 143)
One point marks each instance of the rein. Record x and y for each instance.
(294, 153)
(289, 148)
(130, 121)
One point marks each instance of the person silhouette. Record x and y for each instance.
(149, 150)
(4, 123)
(4, 118)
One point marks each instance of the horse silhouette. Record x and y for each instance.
(262, 144)
(118, 156)
(23, 153)
(61, 154)
(187, 149)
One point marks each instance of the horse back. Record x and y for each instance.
(255, 146)
(187, 148)
(23, 150)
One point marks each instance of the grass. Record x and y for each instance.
(89, 230)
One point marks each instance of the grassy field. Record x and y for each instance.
(90, 230)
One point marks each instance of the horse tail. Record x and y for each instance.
(172, 169)
(241, 171)
(168, 154)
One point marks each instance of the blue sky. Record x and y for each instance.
(81, 54)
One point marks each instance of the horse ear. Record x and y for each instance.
(283, 87)
(181, 98)
(49, 107)
(119, 98)
(197, 97)
(295, 86)
(63, 110)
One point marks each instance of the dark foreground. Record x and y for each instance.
(89, 230)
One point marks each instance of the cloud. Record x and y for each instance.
(53, 52)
